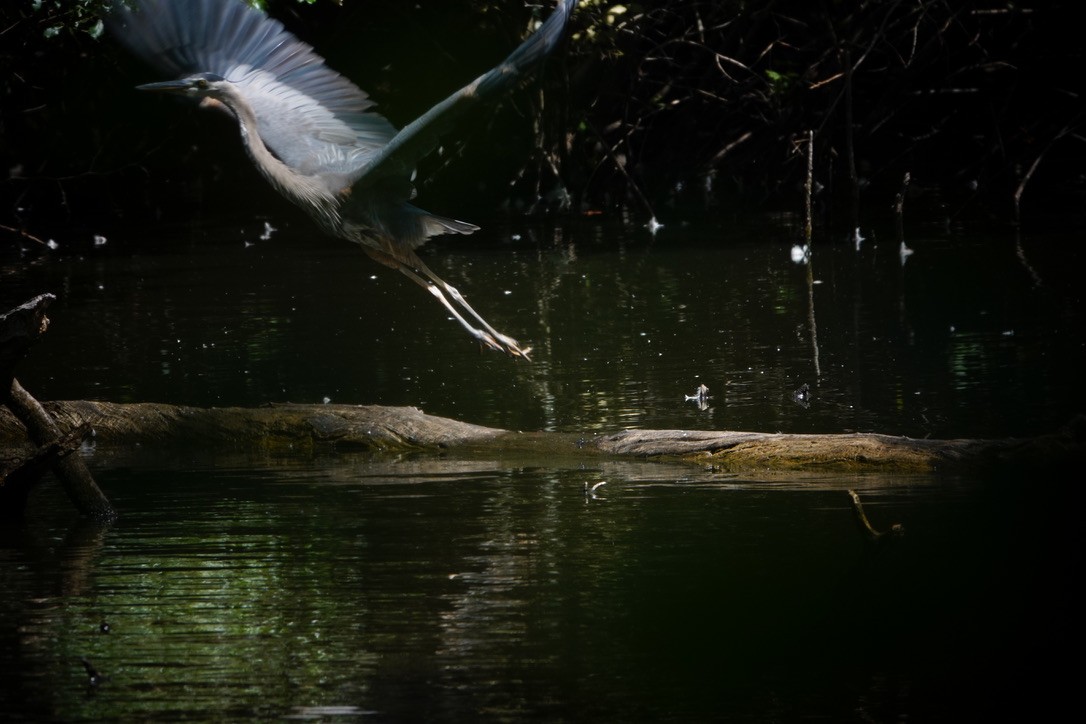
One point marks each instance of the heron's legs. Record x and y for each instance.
(488, 335)
(508, 343)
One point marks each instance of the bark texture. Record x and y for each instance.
(370, 427)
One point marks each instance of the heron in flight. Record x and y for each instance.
(314, 135)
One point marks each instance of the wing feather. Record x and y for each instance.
(418, 138)
(311, 117)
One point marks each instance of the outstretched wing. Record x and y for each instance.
(311, 117)
(398, 157)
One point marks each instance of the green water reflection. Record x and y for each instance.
(440, 590)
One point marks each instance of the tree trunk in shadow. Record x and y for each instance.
(20, 329)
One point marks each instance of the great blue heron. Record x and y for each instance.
(313, 134)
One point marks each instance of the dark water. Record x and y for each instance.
(444, 588)
(433, 590)
(974, 336)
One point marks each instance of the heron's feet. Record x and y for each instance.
(493, 338)
(488, 336)
(503, 343)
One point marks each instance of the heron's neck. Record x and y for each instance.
(305, 191)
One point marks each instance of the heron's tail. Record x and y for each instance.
(412, 226)
(434, 225)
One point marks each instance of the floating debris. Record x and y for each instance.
(94, 678)
(323, 712)
(700, 396)
(802, 396)
(858, 238)
(590, 493)
(905, 252)
(702, 393)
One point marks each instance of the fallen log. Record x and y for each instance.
(299, 428)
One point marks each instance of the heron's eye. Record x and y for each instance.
(202, 84)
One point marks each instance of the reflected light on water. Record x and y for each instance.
(412, 589)
(445, 588)
(624, 325)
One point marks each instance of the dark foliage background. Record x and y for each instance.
(678, 109)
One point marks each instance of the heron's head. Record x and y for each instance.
(207, 88)
(198, 86)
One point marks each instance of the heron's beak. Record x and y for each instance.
(168, 86)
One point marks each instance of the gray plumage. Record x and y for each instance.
(314, 135)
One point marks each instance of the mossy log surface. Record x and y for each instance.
(377, 428)
(274, 426)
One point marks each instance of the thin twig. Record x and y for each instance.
(24, 234)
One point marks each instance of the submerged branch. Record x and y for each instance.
(869, 530)
(20, 329)
(42, 430)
